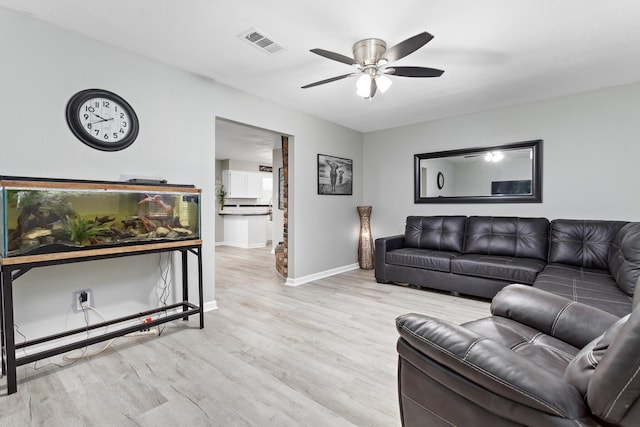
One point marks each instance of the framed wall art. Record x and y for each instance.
(335, 175)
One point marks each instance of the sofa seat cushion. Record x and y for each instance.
(421, 258)
(516, 270)
(544, 350)
(586, 285)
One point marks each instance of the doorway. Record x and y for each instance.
(248, 157)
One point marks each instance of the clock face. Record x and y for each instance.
(102, 119)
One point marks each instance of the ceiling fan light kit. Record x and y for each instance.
(363, 86)
(370, 58)
(383, 82)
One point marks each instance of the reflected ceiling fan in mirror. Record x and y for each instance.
(371, 59)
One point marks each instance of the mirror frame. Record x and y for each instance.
(536, 175)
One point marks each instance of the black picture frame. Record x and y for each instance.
(73, 120)
(335, 175)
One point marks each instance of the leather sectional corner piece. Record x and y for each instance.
(539, 360)
(594, 262)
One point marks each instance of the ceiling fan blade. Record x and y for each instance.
(374, 88)
(406, 47)
(335, 56)
(413, 72)
(332, 79)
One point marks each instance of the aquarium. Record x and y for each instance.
(42, 216)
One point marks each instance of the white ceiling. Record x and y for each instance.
(494, 52)
(242, 142)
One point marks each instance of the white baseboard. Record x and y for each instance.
(210, 305)
(320, 275)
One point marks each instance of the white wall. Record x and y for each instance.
(43, 66)
(590, 158)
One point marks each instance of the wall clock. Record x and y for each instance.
(440, 180)
(102, 120)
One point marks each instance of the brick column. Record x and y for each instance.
(285, 230)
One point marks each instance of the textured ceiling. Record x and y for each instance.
(494, 52)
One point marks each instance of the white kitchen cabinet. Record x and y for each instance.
(235, 183)
(245, 231)
(254, 185)
(242, 184)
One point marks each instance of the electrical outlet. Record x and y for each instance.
(80, 298)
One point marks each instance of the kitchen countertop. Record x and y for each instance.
(243, 214)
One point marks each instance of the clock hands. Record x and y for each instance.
(102, 119)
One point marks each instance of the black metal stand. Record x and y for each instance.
(17, 268)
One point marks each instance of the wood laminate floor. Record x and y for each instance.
(319, 354)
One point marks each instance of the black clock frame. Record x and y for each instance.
(76, 127)
(440, 180)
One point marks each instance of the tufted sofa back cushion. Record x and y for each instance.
(582, 243)
(441, 233)
(507, 236)
(624, 257)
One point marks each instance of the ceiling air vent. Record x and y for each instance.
(261, 41)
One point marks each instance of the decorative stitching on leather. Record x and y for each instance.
(428, 410)
(557, 351)
(500, 325)
(613, 404)
(591, 358)
(473, 344)
(484, 372)
(533, 340)
(557, 319)
(562, 281)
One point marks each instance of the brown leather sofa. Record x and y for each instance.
(591, 261)
(539, 360)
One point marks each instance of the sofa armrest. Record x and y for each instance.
(384, 245)
(560, 317)
(491, 365)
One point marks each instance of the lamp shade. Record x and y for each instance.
(363, 86)
(383, 82)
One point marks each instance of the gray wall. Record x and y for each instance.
(43, 66)
(591, 151)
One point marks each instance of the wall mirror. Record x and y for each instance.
(509, 173)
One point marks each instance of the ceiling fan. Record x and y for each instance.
(371, 59)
